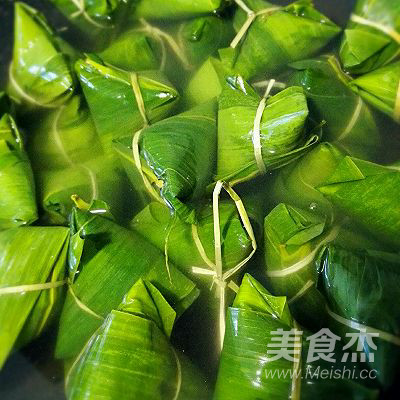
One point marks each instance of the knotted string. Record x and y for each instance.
(257, 128)
(219, 277)
(380, 27)
(251, 16)
(33, 287)
(80, 5)
(163, 38)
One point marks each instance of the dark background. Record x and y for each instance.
(29, 374)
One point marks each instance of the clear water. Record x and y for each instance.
(32, 374)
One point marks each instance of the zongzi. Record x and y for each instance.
(381, 88)
(350, 123)
(255, 134)
(269, 36)
(105, 260)
(372, 36)
(173, 160)
(40, 74)
(130, 356)
(133, 99)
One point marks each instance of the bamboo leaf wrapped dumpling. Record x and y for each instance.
(174, 9)
(249, 371)
(381, 89)
(97, 20)
(297, 184)
(32, 272)
(132, 99)
(17, 188)
(105, 261)
(259, 134)
(349, 121)
(184, 45)
(359, 287)
(372, 37)
(368, 193)
(40, 73)
(68, 158)
(269, 37)
(130, 355)
(293, 239)
(173, 160)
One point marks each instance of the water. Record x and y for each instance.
(32, 373)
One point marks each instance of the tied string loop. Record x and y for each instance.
(257, 128)
(221, 279)
(164, 38)
(251, 16)
(82, 305)
(33, 287)
(81, 11)
(136, 139)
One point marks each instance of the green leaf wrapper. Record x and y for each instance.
(349, 121)
(174, 9)
(278, 36)
(244, 365)
(40, 74)
(97, 21)
(130, 356)
(297, 183)
(293, 239)
(381, 88)
(368, 193)
(179, 240)
(68, 158)
(105, 261)
(32, 272)
(282, 130)
(372, 36)
(17, 193)
(177, 157)
(360, 288)
(111, 96)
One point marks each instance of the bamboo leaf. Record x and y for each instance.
(30, 257)
(40, 73)
(371, 39)
(112, 259)
(17, 194)
(132, 346)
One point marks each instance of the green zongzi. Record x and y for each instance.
(269, 36)
(372, 36)
(105, 261)
(259, 134)
(132, 347)
(40, 73)
(381, 88)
